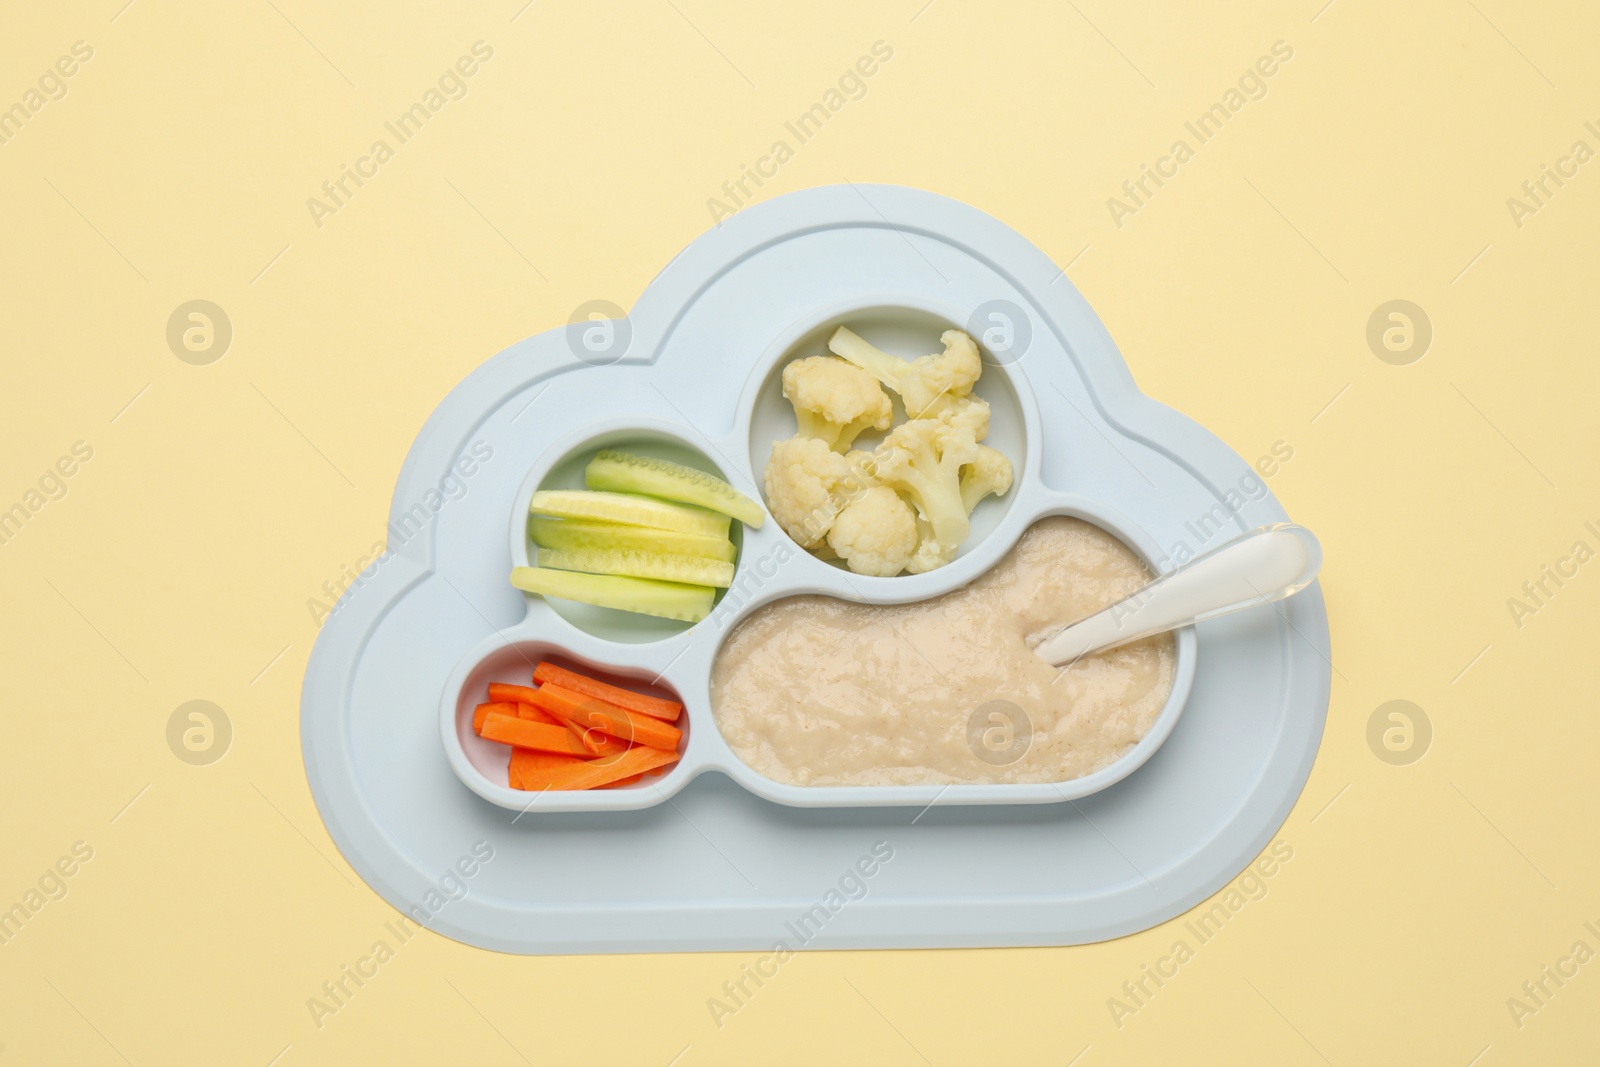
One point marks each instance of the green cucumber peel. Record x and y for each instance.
(628, 508)
(643, 596)
(623, 472)
(689, 570)
(576, 535)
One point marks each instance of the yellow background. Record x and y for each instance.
(178, 565)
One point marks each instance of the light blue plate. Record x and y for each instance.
(704, 862)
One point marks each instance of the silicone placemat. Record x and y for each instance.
(717, 867)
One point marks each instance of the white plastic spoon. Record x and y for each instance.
(1259, 567)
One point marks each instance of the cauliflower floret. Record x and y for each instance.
(803, 482)
(973, 410)
(989, 473)
(863, 470)
(930, 555)
(922, 382)
(876, 533)
(923, 459)
(969, 411)
(906, 505)
(835, 401)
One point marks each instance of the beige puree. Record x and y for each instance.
(816, 691)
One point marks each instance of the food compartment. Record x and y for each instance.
(483, 763)
(842, 747)
(907, 330)
(564, 470)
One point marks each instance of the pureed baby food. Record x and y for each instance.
(816, 691)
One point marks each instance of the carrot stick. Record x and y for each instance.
(598, 742)
(605, 745)
(533, 759)
(583, 736)
(522, 696)
(567, 724)
(524, 711)
(533, 714)
(510, 694)
(607, 718)
(655, 707)
(536, 735)
(590, 774)
(593, 740)
(482, 711)
(525, 761)
(622, 782)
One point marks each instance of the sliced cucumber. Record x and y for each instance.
(622, 472)
(577, 535)
(643, 596)
(629, 509)
(690, 570)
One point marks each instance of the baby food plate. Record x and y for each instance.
(712, 854)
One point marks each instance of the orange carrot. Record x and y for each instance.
(597, 742)
(525, 761)
(607, 718)
(533, 714)
(591, 774)
(655, 707)
(484, 710)
(522, 697)
(510, 694)
(600, 744)
(622, 782)
(593, 740)
(533, 759)
(536, 735)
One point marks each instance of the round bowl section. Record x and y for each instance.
(909, 328)
(562, 468)
(1039, 505)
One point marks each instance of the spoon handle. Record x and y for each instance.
(1258, 567)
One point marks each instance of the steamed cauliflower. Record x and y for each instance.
(835, 401)
(989, 473)
(863, 468)
(923, 459)
(876, 533)
(904, 506)
(924, 384)
(804, 482)
(969, 412)
(930, 554)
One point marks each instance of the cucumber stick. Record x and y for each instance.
(644, 596)
(690, 570)
(629, 509)
(577, 535)
(620, 472)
